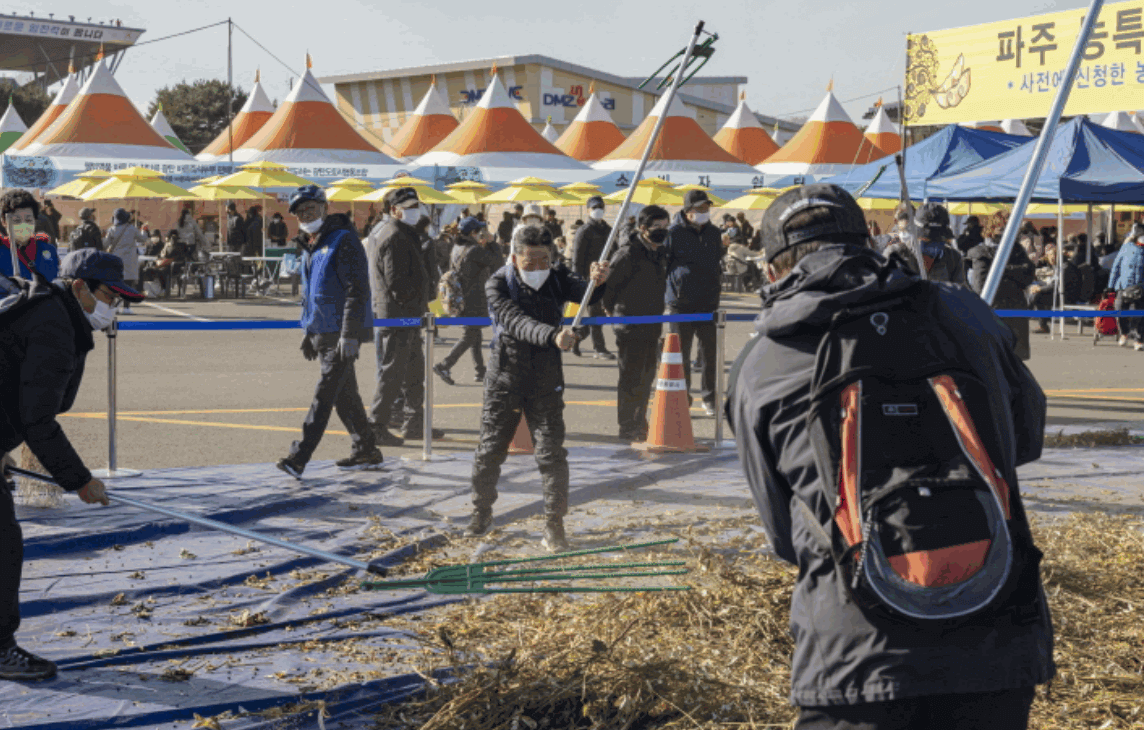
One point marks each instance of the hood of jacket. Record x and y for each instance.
(823, 284)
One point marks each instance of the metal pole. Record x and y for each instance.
(900, 160)
(675, 84)
(1059, 289)
(229, 97)
(993, 281)
(222, 527)
(720, 387)
(429, 323)
(12, 249)
(112, 471)
(1088, 235)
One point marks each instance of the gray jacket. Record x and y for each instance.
(843, 654)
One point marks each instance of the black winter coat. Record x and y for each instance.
(637, 281)
(844, 655)
(474, 265)
(86, 235)
(277, 231)
(524, 355)
(1019, 273)
(43, 349)
(235, 232)
(588, 244)
(397, 273)
(694, 268)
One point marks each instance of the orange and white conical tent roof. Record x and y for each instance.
(1122, 122)
(744, 137)
(254, 113)
(431, 122)
(549, 132)
(1016, 128)
(497, 135)
(63, 97)
(829, 143)
(992, 126)
(308, 129)
(682, 145)
(592, 134)
(882, 133)
(102, 122)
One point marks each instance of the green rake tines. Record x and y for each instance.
(476, 577)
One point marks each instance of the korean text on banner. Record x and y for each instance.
(1011, 69)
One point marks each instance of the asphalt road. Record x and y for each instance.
(211, 398)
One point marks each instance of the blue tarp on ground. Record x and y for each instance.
(1086, 163)
(950, 150)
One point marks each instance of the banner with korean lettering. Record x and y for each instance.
(1012, 69)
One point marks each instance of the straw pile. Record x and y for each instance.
(1091, 439)
(718, 656)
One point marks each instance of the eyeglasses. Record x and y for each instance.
(105, 295)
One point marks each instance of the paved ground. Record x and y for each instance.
(208, 398)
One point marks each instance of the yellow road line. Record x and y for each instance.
(123, 414)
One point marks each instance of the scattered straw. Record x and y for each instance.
(1091, 439)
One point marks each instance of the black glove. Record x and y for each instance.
(308, 350)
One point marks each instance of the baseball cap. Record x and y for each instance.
(405, 198)
(595, 202)
(935, 219)
(305, 194)
(531, 209)
(847, 219)
(94, 265)
(472, 224)
(694, 198)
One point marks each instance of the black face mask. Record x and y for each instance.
(658, 235)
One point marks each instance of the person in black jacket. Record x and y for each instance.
(1019, 274)
(277, 231)
(636, 285)
(973, 235)
(253, 244)
(235, 229)
(694, 250)
(504, 229)
(855, 666)
(45, 335)
(474, 264)
(586, 249)
(397, 277)
(525, 376)
(87, 233)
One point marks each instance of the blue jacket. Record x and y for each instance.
(40, 250)
(694, 267)
(335, 283)
(1128, 269)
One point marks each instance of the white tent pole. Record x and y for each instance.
(1059, 294)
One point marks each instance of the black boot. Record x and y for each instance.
(480, 522)
(554, 540)
(18, 665)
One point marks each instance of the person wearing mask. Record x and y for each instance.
(943, 262)
(1020, 272)
(586, 250)
(857, 664)
(397, 278)
(637, 282)
(530, 216)
(553, 224)
(277, 231)
(1127, 278)
(694, 252)
(235, 229)
(474, 264)
(87, 233)
(335, 320)
(526, 377)
(44, 342)
(504, 229)
(972, 236)
(19, 211)
(122, 239)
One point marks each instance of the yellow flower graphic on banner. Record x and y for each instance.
(921, 79)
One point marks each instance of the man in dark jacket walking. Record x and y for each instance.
(1019, 274)
(235, 229)
(854, 666)
(526, 377)
(474, 264)
(45, 335)
(694, 251)
(636, 285)
(335, 319)
(397, 277)
(87, 233)
(587, 246)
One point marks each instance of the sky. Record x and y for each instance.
(789, 51)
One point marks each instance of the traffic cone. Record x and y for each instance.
(522, 441)
(669, 428)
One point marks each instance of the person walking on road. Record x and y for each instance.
(637, 281)
(694, 252)
(1127, 278)
(335, 319)
(45, 336)
(122, 240)
(1020, 272)
(859, 664)
(87, 233)
(587, 247)
(526, 377)
(474, 264)
(19, 211)
(397, 278)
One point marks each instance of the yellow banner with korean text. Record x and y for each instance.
(1012, 69)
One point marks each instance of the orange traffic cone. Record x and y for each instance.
(522, 441)
(669, 428)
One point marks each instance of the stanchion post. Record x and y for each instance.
(720, 386)
(429, 324)
(112, 471)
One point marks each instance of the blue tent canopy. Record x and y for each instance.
(1086, 163)
(953, 148)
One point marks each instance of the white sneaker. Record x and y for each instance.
(1138, 346)
(1123, 341)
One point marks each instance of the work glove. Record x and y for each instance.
(348, 349)
(308, 350)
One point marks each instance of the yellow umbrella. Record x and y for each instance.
(579, 193)
(225, 192)
(351, 182)
(716, 201)
(468, 191)
(530, 181)
(347, 193)
(263, 175)
(530, 193)
(652, 191)
(134, 182)
(83, 182)
(425, 193)
(208, 180)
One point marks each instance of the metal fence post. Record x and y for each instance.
(112, 471)
(720, 389)
(429, 325)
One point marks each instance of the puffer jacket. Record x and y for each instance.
(397, 273)
(844, 654)
(524, 356)
(588, 244)
(1128, 268)
(191, 235)
(86, 235)
(474, 265)
(637, 280)
(1019, 274)
(694, 267)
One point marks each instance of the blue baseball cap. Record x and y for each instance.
(472, 224)
(306, 193)
(94, 265)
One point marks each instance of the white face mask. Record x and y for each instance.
(700, 218)
(531, 221)
(534, 279)
(103, 315)
(412, 215)
(597, 214)
(312, 227)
